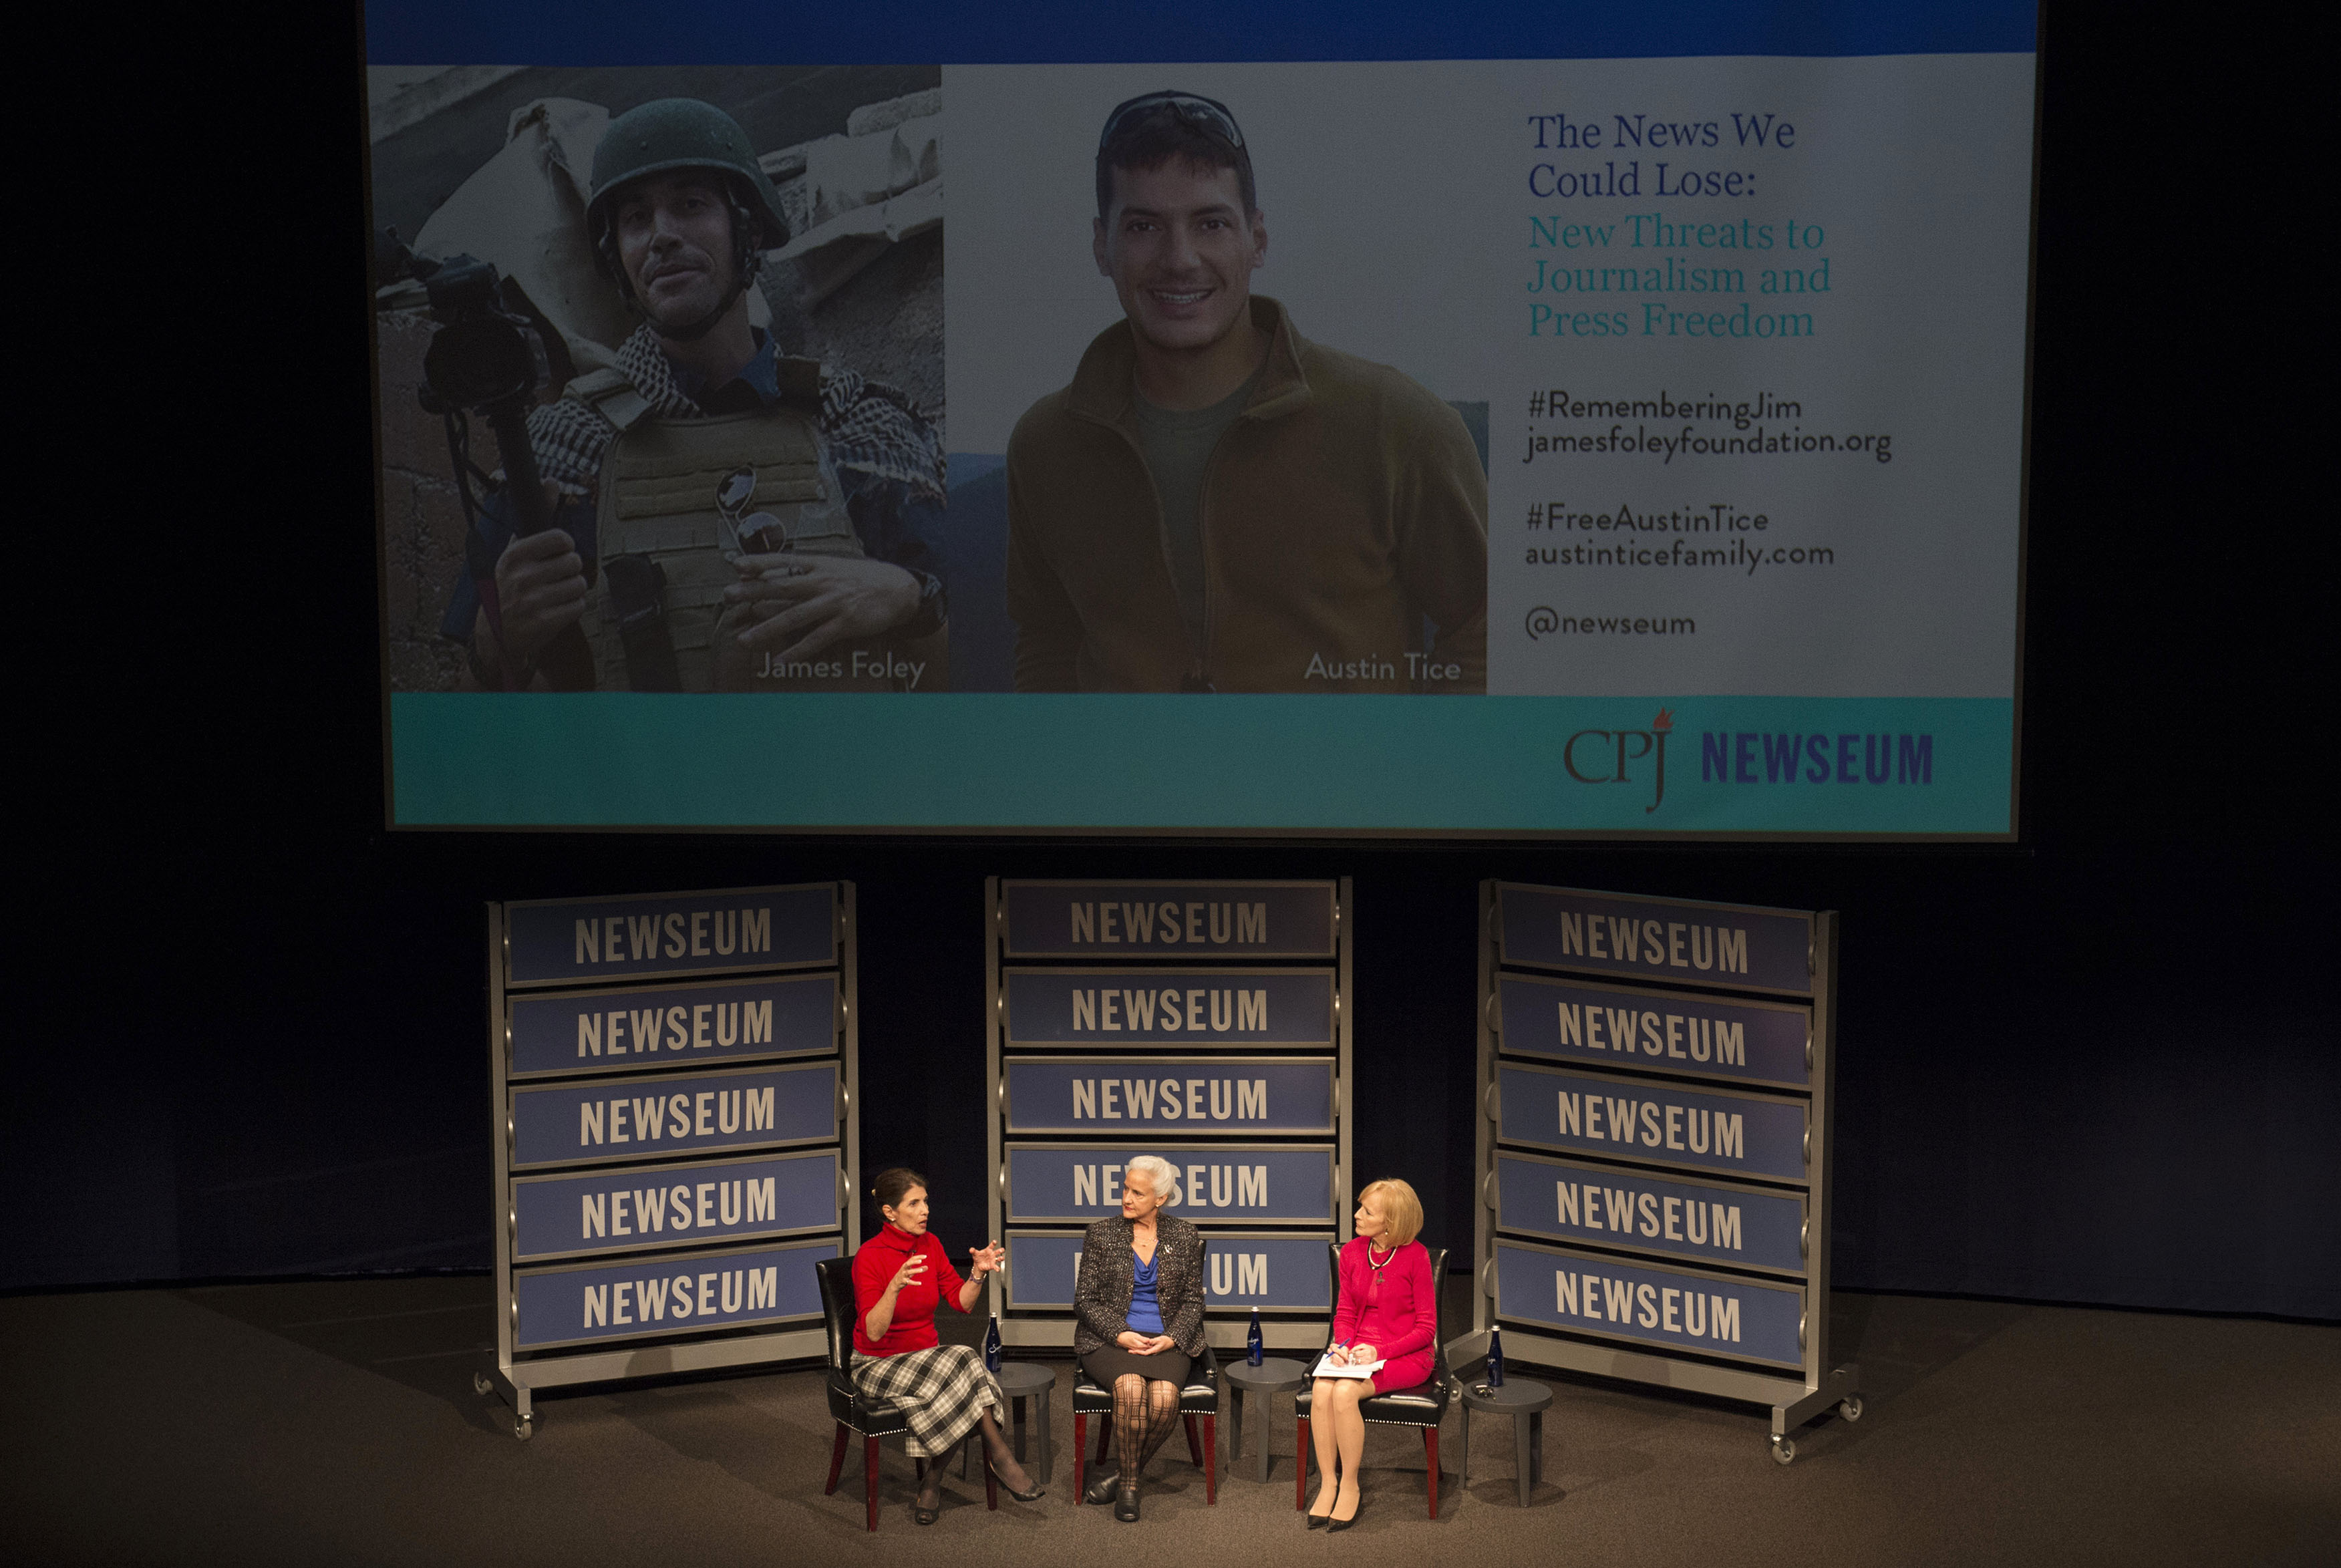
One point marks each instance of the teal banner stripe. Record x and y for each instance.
(985, 760)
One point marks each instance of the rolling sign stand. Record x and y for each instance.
(1654, 1147)
(676, 1131)
(1204, 1022)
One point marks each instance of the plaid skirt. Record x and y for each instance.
(943, 1390)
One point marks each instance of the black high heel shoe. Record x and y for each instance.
(1035, 1495)
(1102, 1489)
(1125, 1504)
(1332, 1523)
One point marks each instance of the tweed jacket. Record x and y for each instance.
(1101, 1299)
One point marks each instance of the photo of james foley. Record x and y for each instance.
(1215, 503)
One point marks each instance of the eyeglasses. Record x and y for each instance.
(1207, 114)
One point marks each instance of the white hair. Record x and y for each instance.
(1160, 1172)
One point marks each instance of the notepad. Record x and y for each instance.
(1326, 1369)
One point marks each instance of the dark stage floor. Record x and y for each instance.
(335, 1424)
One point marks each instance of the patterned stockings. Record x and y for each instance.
(1144, 1411)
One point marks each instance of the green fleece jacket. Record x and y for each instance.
(1345, 503)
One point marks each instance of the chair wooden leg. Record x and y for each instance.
(869, 1477)
(1081, 1455)
(1105, 1439)
(836, 1461)
(1194, 1448)
(1301, 1466)
(1430, 1448)
(1211, 1460)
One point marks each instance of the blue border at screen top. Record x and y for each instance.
(717, 32)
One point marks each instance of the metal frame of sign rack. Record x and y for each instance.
(1224, 1327)
(519, 1373)
(1794, 1399)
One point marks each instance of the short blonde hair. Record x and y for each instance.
(1400, 1206)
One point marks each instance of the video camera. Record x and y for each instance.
(484, 358)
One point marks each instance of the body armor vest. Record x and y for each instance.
(655, 616)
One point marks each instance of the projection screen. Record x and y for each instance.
(1370, 420)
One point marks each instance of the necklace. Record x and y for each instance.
(1374, 1289)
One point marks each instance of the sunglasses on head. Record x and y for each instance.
(1206, 113)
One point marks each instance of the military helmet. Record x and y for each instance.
(682, 133)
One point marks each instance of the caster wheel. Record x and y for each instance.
(482, 1387)
(524, 1428)
(1850, 1408)
(1784, 1450)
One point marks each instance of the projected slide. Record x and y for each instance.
(1625, 443)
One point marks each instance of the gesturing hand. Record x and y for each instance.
(984, 1260)
(913, 1268)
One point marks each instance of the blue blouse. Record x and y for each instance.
(1145, 1314)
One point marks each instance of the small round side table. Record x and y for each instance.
(1525, 1401)
(1274, 1374)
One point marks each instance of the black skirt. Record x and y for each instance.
(1112, 1362)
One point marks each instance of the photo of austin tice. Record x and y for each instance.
(1215, 503)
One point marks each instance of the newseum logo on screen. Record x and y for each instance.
(1637, 758)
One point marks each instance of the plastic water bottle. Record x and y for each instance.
(1252, 1348)
(1495, 1357)
(991, 1346)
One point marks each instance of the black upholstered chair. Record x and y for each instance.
(1201, 1396)
(853, 1411)
(1423, 1406)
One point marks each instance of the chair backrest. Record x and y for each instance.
(837, 1308)
(1438, 1314)
(1438, 1299)
(1203, 1277)
(1333, 1294)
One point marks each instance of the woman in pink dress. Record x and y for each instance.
(1388, 1312)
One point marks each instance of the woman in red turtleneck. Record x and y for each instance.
(899, 1277)
(1389, 1312)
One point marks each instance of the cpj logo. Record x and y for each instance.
(1612, 756)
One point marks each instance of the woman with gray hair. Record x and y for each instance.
(1140, 1303)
